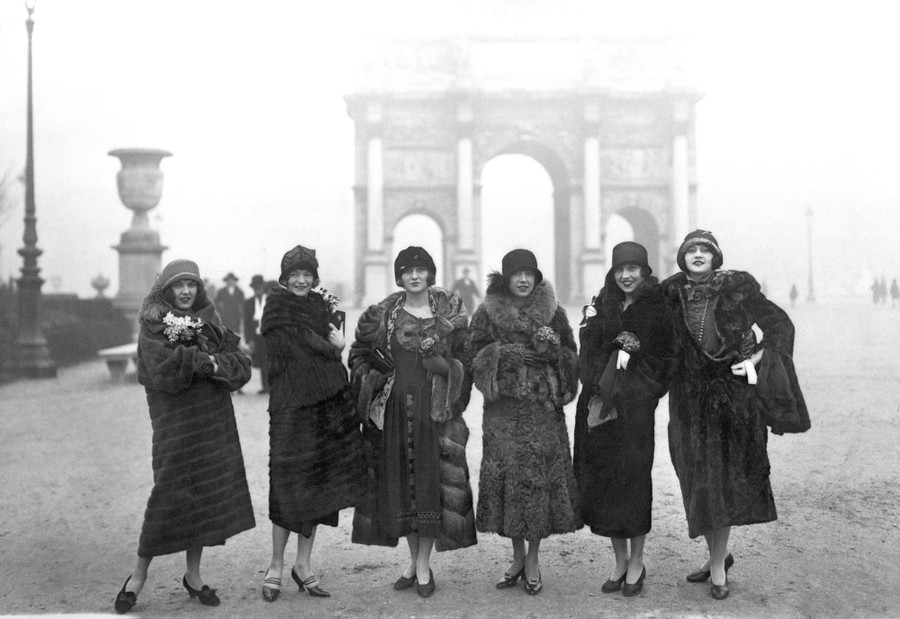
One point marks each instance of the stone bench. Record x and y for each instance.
(117, 359)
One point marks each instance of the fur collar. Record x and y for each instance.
(731, 286)
(155, 307)
(525, 315)
(611, 295)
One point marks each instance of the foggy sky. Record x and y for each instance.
(800, 109)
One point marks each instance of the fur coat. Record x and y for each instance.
(450, 396)
(717, 421)
(527, 487)
(613, 460)
(315, 446)
(200, 495)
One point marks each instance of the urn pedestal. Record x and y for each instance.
(139, 184)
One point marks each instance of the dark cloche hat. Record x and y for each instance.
(629, 251)
(299, 258)
(411, 257)
(700, 237)
(521, 260)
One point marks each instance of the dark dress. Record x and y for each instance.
(409, 478)
(717, 421)
(613, 460)
(315, 446)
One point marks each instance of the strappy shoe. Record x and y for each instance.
(510, 579)
(703, 575)
(311, 584)
(533, 586)
(271, 588)
(206, 595)
(125, 600)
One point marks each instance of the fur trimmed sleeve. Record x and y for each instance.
(482, 355)
(168, 368)
(567, 366)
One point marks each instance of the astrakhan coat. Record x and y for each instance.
(718, 421)
(613, 460)
(200, 495)
(527, 487)
(440, 418)
(315, 446)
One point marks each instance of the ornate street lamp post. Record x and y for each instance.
(33, 356)
(810, 294)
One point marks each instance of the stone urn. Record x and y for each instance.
(139, 183)
(100, 283)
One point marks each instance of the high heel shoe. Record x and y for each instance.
(206, 595)
(703, 575)
(125, 600)
(427, 589)
(632, 589)
(719, 592)
(311, 584)
(510, 580)
(613, 585)
(533, 586)
(271, 588)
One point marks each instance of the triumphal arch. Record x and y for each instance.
(612, 122)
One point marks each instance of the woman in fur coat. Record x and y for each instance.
(522, 355)
(728, 385)
(189, 365)
(626, 353)
(315, 447)
(412, 390)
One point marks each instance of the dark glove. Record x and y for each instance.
(538, 359)
(436, 364)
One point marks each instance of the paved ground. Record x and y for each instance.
(75, 475)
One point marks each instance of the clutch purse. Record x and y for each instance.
(378, 360)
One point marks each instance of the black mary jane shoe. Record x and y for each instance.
(125, 600)
(533, 586)
(719, 592)
(206, 595)
(510, 579)
(632, 589)
(703, 575)
(311, 584)
(427, 589)
(610, 586)
(404, 583)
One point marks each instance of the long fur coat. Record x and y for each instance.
(717, 421)
(200, 495)
(450, 396)
(613, 461)
(527, 487)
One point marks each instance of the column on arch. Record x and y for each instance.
(592, 255)
(375, 262)
(680, 172)
(466, 216)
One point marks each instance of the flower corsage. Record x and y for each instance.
(426, 346)
(181, 328)
(545, 340)
(628, 342)
(331, 301)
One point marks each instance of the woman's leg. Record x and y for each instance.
(280, 537)
(139, 575)
(620, 548)
(718, 550)
(532, 564)
(518, 563)
(304, 552)
(192, 570)
(423, 559)
(636, 562)
(412, 540)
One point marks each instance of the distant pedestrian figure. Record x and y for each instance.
(467, 290)
(895, 293)
(230, 303)
(876, 291)
(883, 290)
(794, 294)
(253, 312)
(189, 364)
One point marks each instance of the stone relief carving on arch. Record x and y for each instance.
(655, 203)
(438, 205)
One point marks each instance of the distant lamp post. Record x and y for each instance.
(33, 356)
(810, 294)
